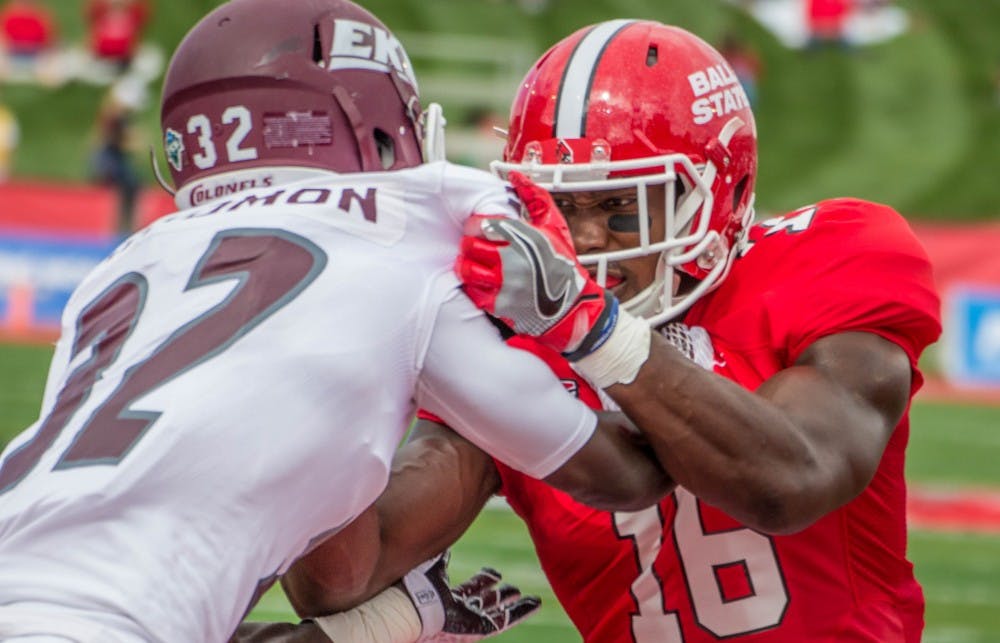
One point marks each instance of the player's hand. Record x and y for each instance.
(527, 274)
(477, 609)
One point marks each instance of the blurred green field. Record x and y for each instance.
(912, 122)
(952, 446)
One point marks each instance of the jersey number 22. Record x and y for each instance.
(271, 267)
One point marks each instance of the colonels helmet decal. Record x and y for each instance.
(631, 103)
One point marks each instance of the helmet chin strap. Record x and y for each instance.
(433, 122)
(658, 304)
(647, 303)
(158, 175)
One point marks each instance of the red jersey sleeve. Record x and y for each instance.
(427, 415)
(847, 265)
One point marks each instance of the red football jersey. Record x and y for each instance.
(685, 571)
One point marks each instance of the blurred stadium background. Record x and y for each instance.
(905, 111)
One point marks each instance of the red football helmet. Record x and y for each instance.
(637, 103)
(268, 87)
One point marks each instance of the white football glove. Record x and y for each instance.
(477, 609)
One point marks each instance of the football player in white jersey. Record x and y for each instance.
(232, 382)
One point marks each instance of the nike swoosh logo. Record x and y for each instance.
(548, 305)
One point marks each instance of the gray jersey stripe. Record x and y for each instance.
(571, 108)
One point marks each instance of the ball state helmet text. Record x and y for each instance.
(637, 103)
(275, 84)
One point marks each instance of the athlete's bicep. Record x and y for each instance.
(847, 391)
(339, 572)
(439, 483)
(631, 478)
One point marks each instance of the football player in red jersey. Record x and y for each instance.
(785, 424)
(773, 378)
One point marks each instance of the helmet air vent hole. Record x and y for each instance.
(317, 53)
(386, 148)
(652, 55)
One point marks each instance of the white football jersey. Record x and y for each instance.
(231, 385)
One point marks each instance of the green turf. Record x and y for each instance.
(22, 380)
(961, 578)
(954, 445)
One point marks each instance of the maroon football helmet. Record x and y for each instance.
(290, 84)
(635, 103)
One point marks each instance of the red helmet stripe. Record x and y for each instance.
(574, 88)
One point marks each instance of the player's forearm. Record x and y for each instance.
(639, 480)
(389, 617)
(338, 571)
(728, 446)
(440, 482)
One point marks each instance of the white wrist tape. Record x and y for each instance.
(388, 617)
(619, 358)
(425, 597)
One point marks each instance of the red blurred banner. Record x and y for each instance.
(71, 210)
(963, 254)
